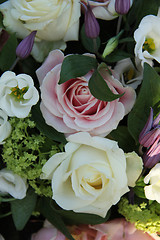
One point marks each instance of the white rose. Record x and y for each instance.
(90, 176)
(12, 184)
(5, 126)
(152, 191)
(17, 94)
(134, 167)
(53, 20)
(147, 37)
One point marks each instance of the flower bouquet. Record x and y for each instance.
(79, 119)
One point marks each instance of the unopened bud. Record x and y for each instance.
(24, 48)
(152, 155)
(122, 6)
(111, 45)
(92, 28)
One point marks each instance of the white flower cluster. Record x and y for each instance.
(17, 94)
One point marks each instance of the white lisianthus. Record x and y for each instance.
(147, 38)
(152, 191)
(53, 20)
(90, 176)
(128, 74)
(17, 94)
(12, 184)
(104, 9)
(5, 126)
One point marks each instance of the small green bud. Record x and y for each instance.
(111, 45)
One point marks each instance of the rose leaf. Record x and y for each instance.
(75, 66)
(99, 88)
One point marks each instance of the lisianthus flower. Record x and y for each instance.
(147, 36)
(104, 9)
(91, 175)
(48, 232)
(152, 191)
(12, 184)
(128, 74)
(70, 107)
(5, 126)
(17, 94)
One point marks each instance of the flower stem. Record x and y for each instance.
(119, 24)
(5, 215)
(14, 64)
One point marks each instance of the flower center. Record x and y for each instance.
(128, 75)
(94, 181)
(18, 93)
(149, 45)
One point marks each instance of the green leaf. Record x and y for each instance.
(124, 139)
(99, 88)
(117, 55)
(75, 66)
(139, 188)
(89, 43)
(8, 53)
(22, 209)
(47, 130)
(48, 212)
(149, 96)
(141, 8)
(127, 39)
(81, 218)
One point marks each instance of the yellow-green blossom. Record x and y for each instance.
(145, 216)
(26, 151)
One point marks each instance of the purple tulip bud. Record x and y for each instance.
(24, 49)
(152, 155)
(92, 28)
(122, 6)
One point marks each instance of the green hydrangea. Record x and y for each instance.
(145, 216)
(26, 151)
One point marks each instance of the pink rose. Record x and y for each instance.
(71, 108)
(120, 229)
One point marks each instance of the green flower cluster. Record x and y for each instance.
(26, 151)
(145, 216)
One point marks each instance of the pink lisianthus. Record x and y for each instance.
(48, 232)
(70, 107)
